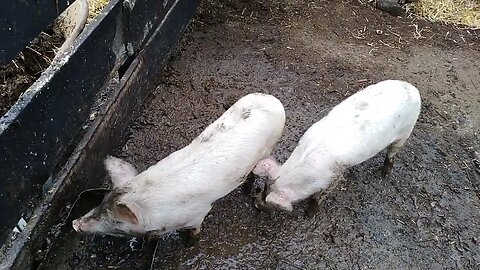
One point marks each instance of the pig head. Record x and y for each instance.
(114, 216)
(269, 197)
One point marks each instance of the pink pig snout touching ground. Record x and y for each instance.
(77, 225)
(178, 191)
(380, 116)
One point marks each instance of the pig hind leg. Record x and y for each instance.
(392, 151)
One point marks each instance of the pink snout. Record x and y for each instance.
(78, 225)
(280, 201)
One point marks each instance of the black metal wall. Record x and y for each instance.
(41, 130)
(22, 20)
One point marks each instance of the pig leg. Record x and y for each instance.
(316, 199)
(248, 184)
(260, 191)
(314, 203)
(255, 187)
(193, 233)
(151, 235)
(192, 236)
(392, 151)
(261, 204)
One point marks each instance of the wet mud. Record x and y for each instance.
(312, 55)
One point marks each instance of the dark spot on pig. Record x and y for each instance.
(113, 196)
(361, 105)
(108, 202)
(205, 138)
(357, 115)
(364, 125)
(148, 182)
(221, 127)
(246, 112)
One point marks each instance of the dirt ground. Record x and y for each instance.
(311, 55)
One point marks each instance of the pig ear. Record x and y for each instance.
(120, 171)
(266, 167)
(123, 212)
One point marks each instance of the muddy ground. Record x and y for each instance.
(312, 55)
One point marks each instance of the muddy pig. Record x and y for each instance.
(178, 191)
(377, 117)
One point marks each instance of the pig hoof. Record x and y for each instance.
(262, 205)
(387, 167)
(191, 241)
(386, 170)
(192, 237)
(312, 209)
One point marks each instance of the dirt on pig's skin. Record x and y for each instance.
(311, 55)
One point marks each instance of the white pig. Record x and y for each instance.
(178, 191)
(378, 117)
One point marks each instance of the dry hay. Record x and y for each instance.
(95, 7)
(466, 12)
(26, 68)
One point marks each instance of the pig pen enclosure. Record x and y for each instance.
(310, 55)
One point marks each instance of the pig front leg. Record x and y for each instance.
(151, 235)
(262, 205)
(248, 184)
(191, 236)
(314, 202)
(316, 199)
(259, 192)
(255, 187)
(195, 233)
(192, 233)
(260, 202)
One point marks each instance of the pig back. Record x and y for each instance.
(368, 121)
(219, 159)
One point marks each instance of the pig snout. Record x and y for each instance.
(76, 225)
(85, 224)
(279, 200)
(79, 225)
